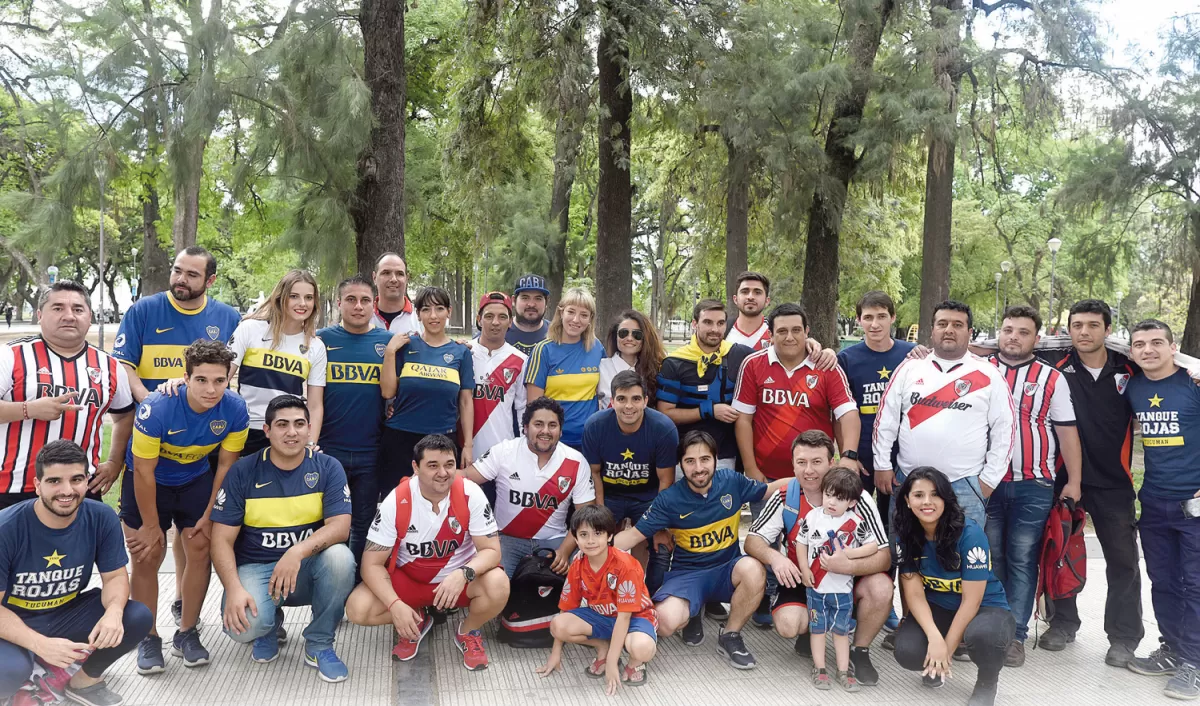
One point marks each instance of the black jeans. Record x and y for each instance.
(986, 639)
(396, 457)
(1115, 522)
(361, 469)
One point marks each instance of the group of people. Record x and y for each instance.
(382, 471)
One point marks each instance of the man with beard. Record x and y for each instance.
(751, 299)
(951, 411)
(537, 480)
(156, 330)
(393, 309)
(48, 546)
(703, 514)
(529, 324)
(1018, 508)
(58, 386)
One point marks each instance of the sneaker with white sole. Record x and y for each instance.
(186, 644)
(730, 644)
(150, 656)
(1160, 663)
(407, 649)
(330, 668)
(1185, 685)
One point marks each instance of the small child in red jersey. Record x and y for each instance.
(605, 604)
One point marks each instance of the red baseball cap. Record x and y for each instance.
(494, 298)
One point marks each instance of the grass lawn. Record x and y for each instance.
(114, 493)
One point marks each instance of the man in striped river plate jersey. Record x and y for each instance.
(499, 375)
(59, 386)
(1018, 508)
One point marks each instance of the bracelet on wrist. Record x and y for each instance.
(25, 410)
(392, 604)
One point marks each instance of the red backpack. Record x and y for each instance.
(459, 510)
(1063, 567)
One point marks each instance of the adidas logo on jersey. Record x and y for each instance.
(514, 476)
(43, 371)
(920, 381)
(1069, 369)
(769, 381)
(412, 528)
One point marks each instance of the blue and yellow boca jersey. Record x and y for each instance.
(943, 586)
(156, 329)
(278, 509)
(1168, 414)
(429, 381)
(705, 527)
(569, 374)
(168, 429)
(353, 406)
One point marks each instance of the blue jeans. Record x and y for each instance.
(970, 498)
(1171, 545)
(361, 474)
(1016, 520)
(514, 549)
(324, 582)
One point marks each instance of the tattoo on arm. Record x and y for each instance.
(373, 547)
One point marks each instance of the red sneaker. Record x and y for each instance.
(407, 649)
(471, 645)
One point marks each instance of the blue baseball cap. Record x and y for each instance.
(531, 283)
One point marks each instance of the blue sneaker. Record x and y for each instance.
(266, 649)
(150, 656)
(186, 644)
(329, 667)
(892, 622)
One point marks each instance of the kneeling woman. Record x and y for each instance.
(605, 605)
(946, 578)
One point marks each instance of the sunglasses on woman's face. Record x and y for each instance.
(626, 333)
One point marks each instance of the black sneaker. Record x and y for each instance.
(862, 669)
(186, 644)
(762, 618)
(716, 611)
(438, 615)
(150, 656)
(693, 632)
(961, 654)
(1160, 663)
(983, 695)
(889, 642)
(732, 646)
(1055, 639)
(804, 646)
(932, 682)
(97, 694)
(1014, 656)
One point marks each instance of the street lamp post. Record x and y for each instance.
(101, 173)
(135, 279)
(996, 321)
(1005, 267)
(1054, 244)
(1120, 296)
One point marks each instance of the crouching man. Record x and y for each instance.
(433, 543)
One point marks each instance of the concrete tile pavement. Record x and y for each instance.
(678, 675)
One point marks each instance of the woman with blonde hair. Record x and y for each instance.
(278, 353)
(632, 344)
(566, 366)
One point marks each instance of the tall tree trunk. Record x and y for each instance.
(378, 211)
(614, 244)
(154, 270)
(822, 251)
(187, 194)
(946, 16)
(737, 216)
(1191, 329)
(567, 137)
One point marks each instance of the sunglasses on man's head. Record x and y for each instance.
(626, 333)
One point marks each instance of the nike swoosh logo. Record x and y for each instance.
(175, 431)
(413, 352)
(263, 485)
(684, 517)
(334, 348)
(162, 330)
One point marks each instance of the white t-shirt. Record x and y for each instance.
(435, 544)
(532, 502)
(850, 531)
(1094, 371)
(264, 372)
(609, 367)
(499, 394)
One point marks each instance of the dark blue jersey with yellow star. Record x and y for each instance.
(628, 462)
(705, 526)
(44, 569)
(869, 372)
(1168, 412)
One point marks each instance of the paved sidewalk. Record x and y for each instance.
(678, 675)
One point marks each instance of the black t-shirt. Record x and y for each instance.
(680, 383)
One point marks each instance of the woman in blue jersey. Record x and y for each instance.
(432, 379)
(952, 596)
(566, 366)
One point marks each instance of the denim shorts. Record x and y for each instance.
(830, 612)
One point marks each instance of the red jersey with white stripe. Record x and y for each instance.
(30, 370)
(499, 394)
(1043, 400)
(436, 543)
(954, 415)
(787, 402)
(532, 502)
(758, 339)
(618, 587)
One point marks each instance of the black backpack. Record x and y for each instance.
(532, 603)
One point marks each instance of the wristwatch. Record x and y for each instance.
(469, 573)
(852, 455)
